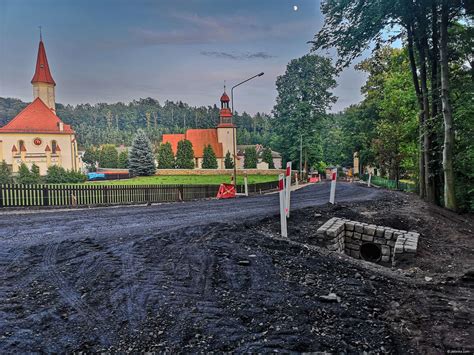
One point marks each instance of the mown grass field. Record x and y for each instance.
(187, 180)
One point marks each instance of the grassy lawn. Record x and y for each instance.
(187, 180)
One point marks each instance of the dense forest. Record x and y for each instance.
(117, 123)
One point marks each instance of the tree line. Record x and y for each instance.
(117, 123)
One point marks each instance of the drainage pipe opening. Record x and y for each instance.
(370, 252)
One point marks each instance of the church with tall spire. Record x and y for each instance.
(37, 135)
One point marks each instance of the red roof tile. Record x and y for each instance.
(37, 118)
(42, 72)
(199, 138)
(173, 139)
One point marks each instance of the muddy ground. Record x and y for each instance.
(235, 286)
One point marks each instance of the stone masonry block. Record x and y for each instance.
(369, 230)
(367, 238)
(359, 228)
(388, 234)
(350, 226)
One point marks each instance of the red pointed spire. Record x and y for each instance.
(47, 149)
(14, 148)
(42, 73)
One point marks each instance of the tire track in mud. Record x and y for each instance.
(92, 318)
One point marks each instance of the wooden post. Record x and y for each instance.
(45, 196)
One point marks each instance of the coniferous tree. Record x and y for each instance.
(5, 173)
(108, 156)
(185, 155)
(165, 156)
(250, 161)
(228, 161)
(141, 160)
(123, 160)
(268, 158)
(209, 160)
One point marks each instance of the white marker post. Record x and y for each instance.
(370, 178)
(288, 189)
(296, 180)
(332, 195)
(281, 188)
(246, 185)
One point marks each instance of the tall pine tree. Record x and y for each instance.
(165, 156)
(228, 161)
(141, 161)
(268, 158)
(209, 160)
(185, 155)
(250, 161)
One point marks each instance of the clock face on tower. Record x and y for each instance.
(37, 141)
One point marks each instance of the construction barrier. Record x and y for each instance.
(226, 191)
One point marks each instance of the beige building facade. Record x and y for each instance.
(36, 135)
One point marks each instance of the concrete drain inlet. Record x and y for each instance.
(369, 242)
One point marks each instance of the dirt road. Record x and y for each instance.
(206, 276)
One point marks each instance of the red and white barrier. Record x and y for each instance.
(332, 194)
(288, 189)
(281, 188)
(226, 191)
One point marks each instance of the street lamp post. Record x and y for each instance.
(234, 138)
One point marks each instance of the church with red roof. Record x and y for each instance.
(222, 139)
(37, 135)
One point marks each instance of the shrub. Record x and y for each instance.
(268, 158)
(185, 155)
(209, 160)
(165, 156)
(108, 156)
(5, 173)
(123, 160)
(228, 161)
(250, 161)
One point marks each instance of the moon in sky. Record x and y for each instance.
(295, 8)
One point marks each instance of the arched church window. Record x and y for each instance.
(54, 147)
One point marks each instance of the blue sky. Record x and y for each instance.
(117, 50)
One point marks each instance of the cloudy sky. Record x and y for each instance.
(120, 50)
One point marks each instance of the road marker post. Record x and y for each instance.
(332, 195)
(369, 180)
(281, 188)
(288, 189)
(246, 185)
(297, 180)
